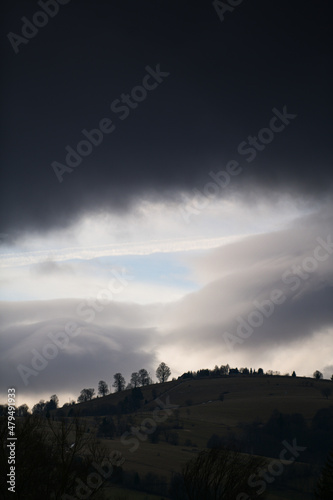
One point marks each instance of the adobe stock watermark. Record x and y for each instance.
(293, 277)
(275, 468)
(222, 7)
(30, 28)
(148, 425)
(250, 148)
(86, 310)
(121, 107)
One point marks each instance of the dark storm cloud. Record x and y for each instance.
(225, 79)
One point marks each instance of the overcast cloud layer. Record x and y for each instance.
(223, 81)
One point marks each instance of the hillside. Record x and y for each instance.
(259, 395)
(196, 412)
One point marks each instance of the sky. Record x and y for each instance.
(166, 190)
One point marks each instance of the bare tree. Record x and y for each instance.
(163, 372)
(221, 474)
(119, 382)
(62, 453)
(103, 389)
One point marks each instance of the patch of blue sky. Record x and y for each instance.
(157, 268)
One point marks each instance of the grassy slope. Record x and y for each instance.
(246, 399)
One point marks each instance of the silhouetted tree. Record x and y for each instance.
(22, 411)
(293, 374)
(144, 377)
(86, 395)
(163, 372)
(260, 371)
(52, 404)
(135, 379)
(55, 399)
(103, 389)
(216, 371)
(224, 369)
(317, 375)
(39, 408)
(3, 410)
(119, 382)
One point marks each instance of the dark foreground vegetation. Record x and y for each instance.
(230, 436)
